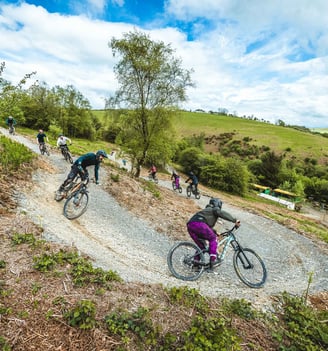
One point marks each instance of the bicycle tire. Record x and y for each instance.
(173, 186)
(76, 204)
(188, 190)
(70, 158)
(253, 275)
(181, 259)
(197, 195)
(180, 189)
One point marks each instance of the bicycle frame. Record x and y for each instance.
(228, 239)
(79, 186)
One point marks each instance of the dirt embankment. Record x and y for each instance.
(128, 230)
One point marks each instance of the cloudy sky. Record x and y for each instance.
(266, 58)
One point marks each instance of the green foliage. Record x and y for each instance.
(2, 264)
(82, 271)
(241, 308)
(152, 188)
(207, 334)
(28, 238)
(189, 298)
(82, 315)
(4, 345)
(115, 177)
(13, 155)
(45, 262)
(136, 323)
(151, 83)
(191, 159)
(303, 328)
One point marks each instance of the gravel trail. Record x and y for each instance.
(117, 240)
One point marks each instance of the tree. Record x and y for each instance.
(270, 169)
(151, 85)
(13, 96)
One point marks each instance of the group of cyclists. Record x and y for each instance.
(79, 167)
(200, 226)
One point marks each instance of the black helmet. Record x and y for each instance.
(101, 153)
(215, 202)
(191, 173)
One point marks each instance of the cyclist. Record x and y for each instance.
(80, 167)
(175, 176)
(62, 143)
(194, 180)
(11, 122)
(200, 227)
(153, 170)
(41, 138)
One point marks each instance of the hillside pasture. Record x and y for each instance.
(278, 138)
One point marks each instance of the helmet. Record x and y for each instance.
(101, 153)
(10, 117)
(215, 202)
(60, 135)
(191, 173)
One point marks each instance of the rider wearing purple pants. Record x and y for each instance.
(200, 227)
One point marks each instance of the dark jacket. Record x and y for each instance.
(193, 178)
(89, 159)
(210, 216)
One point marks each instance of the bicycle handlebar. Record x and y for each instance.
(227, 232)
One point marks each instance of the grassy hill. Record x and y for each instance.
(279, 139)
(299, 143)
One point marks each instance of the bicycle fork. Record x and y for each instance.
(241, 255)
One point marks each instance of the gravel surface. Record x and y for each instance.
(117, 240)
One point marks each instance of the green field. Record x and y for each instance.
(302, 144)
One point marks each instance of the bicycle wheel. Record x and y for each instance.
(173, 185)
(180, 189)
(181, 261)
(197, 195)
(69, 158)
(250, 268)
(76, 205)
(47, 151)
(188, 190)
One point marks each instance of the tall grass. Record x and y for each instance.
(13, 155)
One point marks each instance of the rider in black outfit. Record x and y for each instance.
(194, 180)
(80, 167)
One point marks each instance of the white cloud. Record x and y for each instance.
(247, 63)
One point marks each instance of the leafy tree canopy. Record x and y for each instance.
(151, 85)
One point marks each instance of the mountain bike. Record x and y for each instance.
(154, 179)
(186, 261)
(77, 201)
(44, 149)
(11, 130)
(60, 195)
(66, 153)
(192, 190)
(175, 187)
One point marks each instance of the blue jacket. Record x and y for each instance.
(13, 122)
(89, 159)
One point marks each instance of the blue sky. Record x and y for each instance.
(267, 59)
